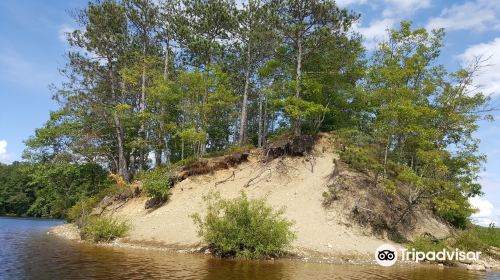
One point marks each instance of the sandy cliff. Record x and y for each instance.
(296, 183)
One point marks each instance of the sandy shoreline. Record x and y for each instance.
(297, 184)
(70, 232)
(324, 234)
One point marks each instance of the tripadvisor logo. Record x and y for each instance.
(387, 255)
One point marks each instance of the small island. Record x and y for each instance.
(247, 137)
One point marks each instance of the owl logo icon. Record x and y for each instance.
(386, 255)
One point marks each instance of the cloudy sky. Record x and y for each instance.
(32, 49)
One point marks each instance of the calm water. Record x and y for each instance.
(28, 252)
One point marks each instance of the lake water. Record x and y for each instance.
(28, 252)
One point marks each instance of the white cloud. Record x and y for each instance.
(343, 3)
(375, 32)
(392, 8)
(403, 7)
(393, 11)
(3, 147)
(476, 15)
(486, 214)
(240, 3)
(4, 156)
(63, 31)
(487, 78)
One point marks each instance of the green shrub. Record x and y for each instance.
(468, 240)
(104, 229)
(83, 207)
(243, 227)
(330, 196)
(156, 184)
(182, 162)
(452, 206)
(279, 134)
(79, 212)
(233, 149)
(361, 159)
(458, 218)
(426, 244)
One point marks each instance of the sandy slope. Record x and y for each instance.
(295, 183)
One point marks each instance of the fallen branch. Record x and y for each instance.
(256, 177)
(233, 176)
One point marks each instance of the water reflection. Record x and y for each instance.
(225, 269)
(27, 252)
(298, 270)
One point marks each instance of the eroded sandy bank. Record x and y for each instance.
(296, 183)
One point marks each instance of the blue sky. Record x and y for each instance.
(32, 49)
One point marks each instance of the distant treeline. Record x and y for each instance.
(47, 190)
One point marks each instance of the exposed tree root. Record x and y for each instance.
(296, 146)
(206, 166)
(282, 168)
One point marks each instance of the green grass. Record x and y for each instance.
(477, 238)
(489, 235)
(474, 238)
(104, 229)
(245, 228)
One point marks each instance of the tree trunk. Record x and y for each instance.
(236, 136)
(157, 157)
(298, 78)
(166, 63)
(182, 149)
(122, 162)
(143, 107)
(132, 162)
(203, 144)
(163, 137)
(166, 150)
(120, 137)
(244, 105)
(244, 109)
(262, 122)
(385, 155)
